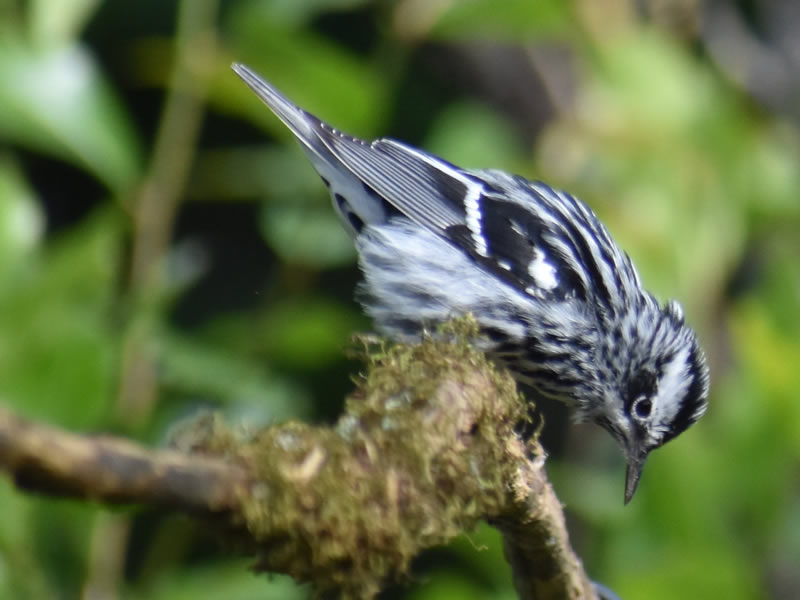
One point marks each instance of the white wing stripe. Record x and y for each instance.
(473, 210)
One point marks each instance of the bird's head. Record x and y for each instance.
(659, 393)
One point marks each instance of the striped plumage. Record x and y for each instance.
(559, 303)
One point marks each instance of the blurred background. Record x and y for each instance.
(166, 248)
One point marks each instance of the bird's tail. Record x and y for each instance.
(354, 202)
(302, 124)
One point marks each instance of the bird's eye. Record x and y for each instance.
(642, 407)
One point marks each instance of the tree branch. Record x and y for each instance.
(429, 444)
(106, 469)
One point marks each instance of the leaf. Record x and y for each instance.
(57, 101)
(510, 19)
(307, 235)
(21, 219)
(56, 23)
(299, 332)
(214, 374)
(58, 351)
(472, 135)
(295, 13)
(307, 332)
(231, 580)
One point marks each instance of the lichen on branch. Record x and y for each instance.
(420, 455)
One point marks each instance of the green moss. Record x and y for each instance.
(419, 456)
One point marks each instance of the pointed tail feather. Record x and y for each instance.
(301, 123)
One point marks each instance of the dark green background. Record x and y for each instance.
(677, 121)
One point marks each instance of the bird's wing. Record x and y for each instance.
(426, 189)
(502, 221)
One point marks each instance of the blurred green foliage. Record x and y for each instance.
(247, 308)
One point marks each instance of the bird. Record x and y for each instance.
(557, 302)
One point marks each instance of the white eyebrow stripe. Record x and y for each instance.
(672, 387)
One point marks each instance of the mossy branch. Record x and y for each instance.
(428, 445)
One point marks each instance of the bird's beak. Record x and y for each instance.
(633, 473)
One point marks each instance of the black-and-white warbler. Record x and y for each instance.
(560, 304)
